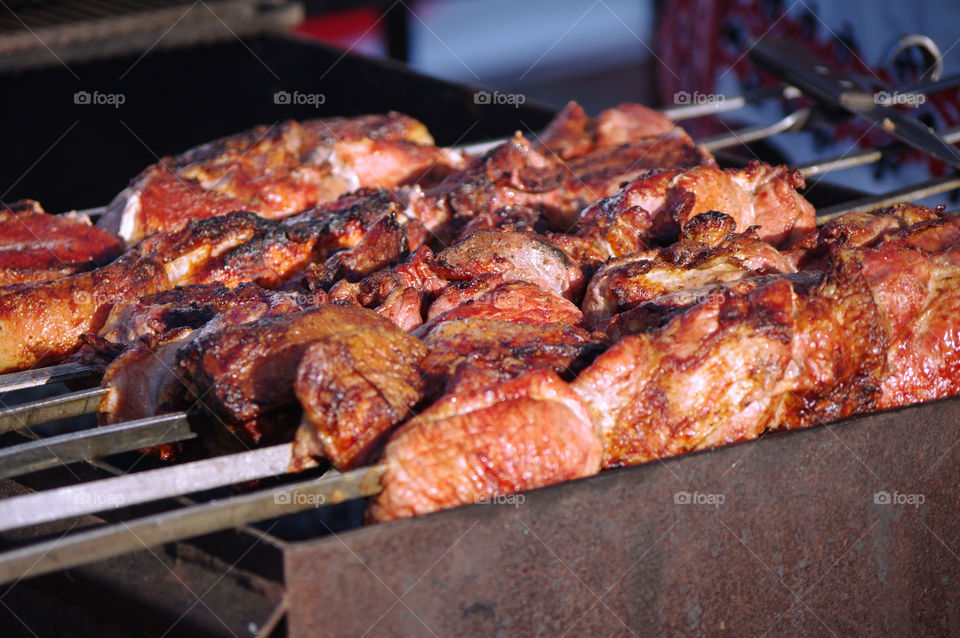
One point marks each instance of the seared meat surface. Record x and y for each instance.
(708, 252)
(355, 386)
(245, 374)
(277, 171)
(654, 207)
(704, 379)
(35, 246)
(474, 445)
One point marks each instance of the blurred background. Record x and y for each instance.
(96, 90)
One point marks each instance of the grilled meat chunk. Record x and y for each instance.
(35, 246)
(502, 349)
(517, 301)
(517, 174)
(472, 446)
(702, 256)
(355, 386)
(516, 257)
(245, 374)
(654, 207)
(141, 381)
(706, 378)
(277, 171)
(41, 323)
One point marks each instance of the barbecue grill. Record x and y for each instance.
(796, 532)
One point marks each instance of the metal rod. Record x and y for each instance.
(44, 376)
(794, 121)
(128, 536)
(59, 407)
(916, 191)
(89, 444)
(722, 104)
(862, 158)
(142, 487)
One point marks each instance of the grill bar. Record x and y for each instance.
(142, 487)
(114, 540)
(81, 446)
(44, 376)
(59, 407)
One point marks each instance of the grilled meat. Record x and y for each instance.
(142, 380)
(514, 256)
(41, 323)
(277, 171)
(708, 252)
(704, 379)
(471, 446)
(245, 374)
(35, 246)
(460, 349)
(517, 174)
(355, 386)
(654, 207)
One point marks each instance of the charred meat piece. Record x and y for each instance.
(572, 133)
(41, 323)
(35, 246)
(706, 378)
(516, 174)
(381, 247)
(516, 257)
(472, 446)
(654, 207)
(704, 255)
(231, 249)
(854, 230)
(502, 349)
(277, 171)
(245, 374)
(516, 301)
(355, 386)
(398, 292)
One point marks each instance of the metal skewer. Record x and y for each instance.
(81, 446)
(142, 487)
(44, 376)
(114, 540)
(58, 407)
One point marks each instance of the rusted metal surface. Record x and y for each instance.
(847, 529)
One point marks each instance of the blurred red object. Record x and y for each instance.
(360, 30)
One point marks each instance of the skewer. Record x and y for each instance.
(915, 191)
(793, 121)
(44, 376)
(88, 444)
(152, 485)
(862, 158)
(128, 536)
(64, 406)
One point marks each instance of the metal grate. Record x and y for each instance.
(38, 34)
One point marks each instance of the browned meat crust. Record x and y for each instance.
(474, 445)
(35, 246)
